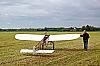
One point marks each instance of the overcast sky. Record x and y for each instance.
(49, 13)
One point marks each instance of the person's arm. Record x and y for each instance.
(81, 35)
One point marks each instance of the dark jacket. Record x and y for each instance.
(85, 36)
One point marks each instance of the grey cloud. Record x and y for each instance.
(46, 12)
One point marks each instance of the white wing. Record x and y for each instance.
(51, 37)
(63, 37)
(29, 37)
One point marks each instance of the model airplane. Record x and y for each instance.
(44, 40)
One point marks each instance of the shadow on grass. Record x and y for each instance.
(74, 49)
(42, 55)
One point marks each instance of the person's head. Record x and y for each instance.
(84, 31)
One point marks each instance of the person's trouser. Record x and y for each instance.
(85, 43)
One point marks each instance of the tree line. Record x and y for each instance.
(60, 29)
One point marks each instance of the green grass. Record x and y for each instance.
(67, 53)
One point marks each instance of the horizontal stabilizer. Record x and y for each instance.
(36, 51)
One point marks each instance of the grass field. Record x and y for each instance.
(67, 53)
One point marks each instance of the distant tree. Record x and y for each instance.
(73, 29)
(83, 28)
(45, 29)
(88, 28)
(0, 29)
(92, 28)
(61, 29)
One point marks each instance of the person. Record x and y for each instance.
(43, 42)
(85, 36)
(45, 39)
